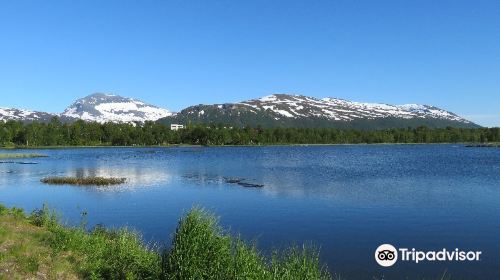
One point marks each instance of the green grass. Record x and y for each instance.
(24, 253)
(86, 181)
(201, 250)
(12, 156)
(38, 246)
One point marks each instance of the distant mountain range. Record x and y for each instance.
(277, 110)
(97, 107)
(283, 110)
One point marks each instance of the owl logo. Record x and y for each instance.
(386, 255)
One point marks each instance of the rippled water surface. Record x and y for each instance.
(346, 199)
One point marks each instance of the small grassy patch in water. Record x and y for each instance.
(85, 181)
(11, 156)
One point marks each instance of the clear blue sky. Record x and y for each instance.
(179, 53)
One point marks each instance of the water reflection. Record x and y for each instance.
(137, 176)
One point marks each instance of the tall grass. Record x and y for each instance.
(297, 263)
(102, 253)
(200, 249)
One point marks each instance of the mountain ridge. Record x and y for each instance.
(287, 110)
(275, 110)
(15, 114)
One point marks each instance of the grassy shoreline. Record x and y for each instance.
(219, 146)
(38, 246)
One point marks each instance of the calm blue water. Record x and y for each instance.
(346, 199)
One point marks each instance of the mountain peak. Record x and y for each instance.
(281, 97)
(100, 95)
(104, 107)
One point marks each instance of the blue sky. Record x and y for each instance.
(179, 53)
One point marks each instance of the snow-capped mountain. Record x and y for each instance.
(298, 106)
(277, 110)
(303, 111)
(24, 115)
(100, 107)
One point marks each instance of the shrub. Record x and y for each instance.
(200, 250)
(43, 217)
(3, 210)
(17, 212)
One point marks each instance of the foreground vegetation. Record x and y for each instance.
(80, 133)
(38, 246)
(86, 181)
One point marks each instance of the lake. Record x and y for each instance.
(347, 199)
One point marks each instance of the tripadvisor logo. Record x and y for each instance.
(387, 255)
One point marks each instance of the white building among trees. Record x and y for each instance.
(176, 126)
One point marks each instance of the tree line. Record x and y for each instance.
(80, 133)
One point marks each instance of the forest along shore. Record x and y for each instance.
(55, 134)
